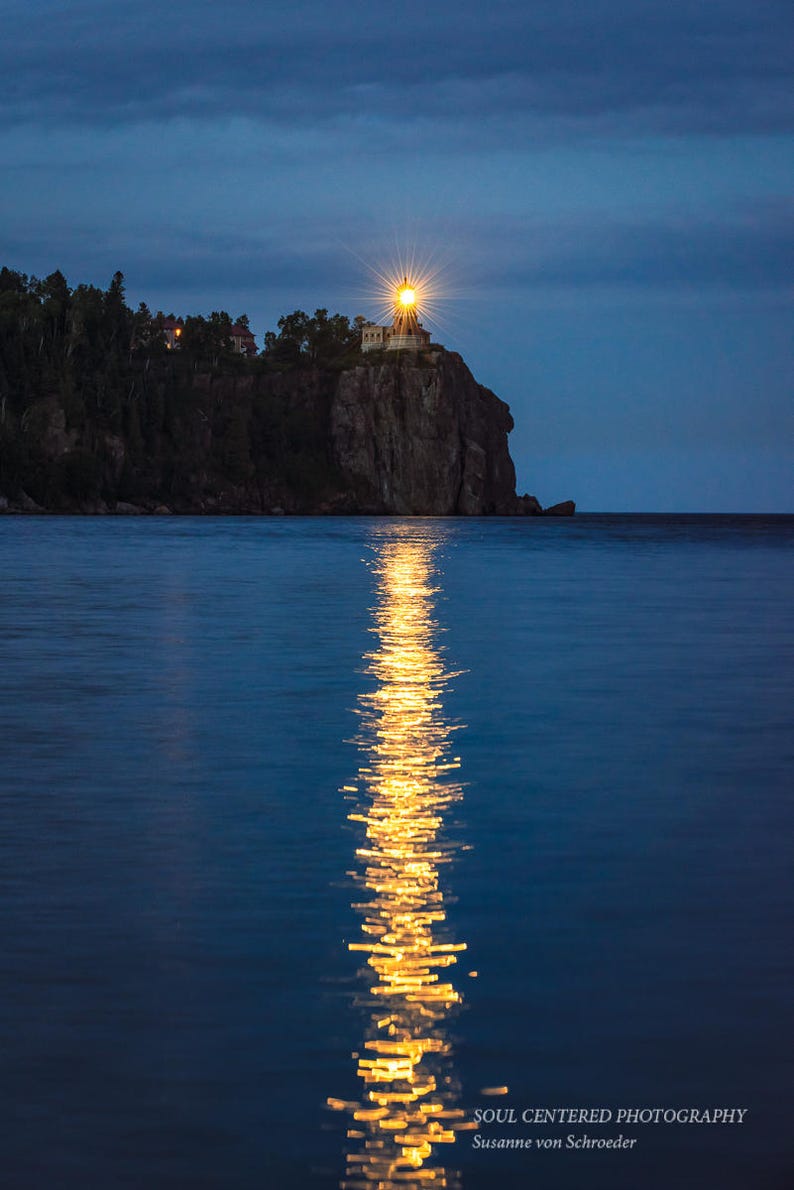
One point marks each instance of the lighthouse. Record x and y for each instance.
(406, 331)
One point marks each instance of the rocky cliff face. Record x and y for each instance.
(402, 433)
(418, 435)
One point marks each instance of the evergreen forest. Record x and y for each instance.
(95, 408)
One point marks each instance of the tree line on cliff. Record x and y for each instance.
(95, 407)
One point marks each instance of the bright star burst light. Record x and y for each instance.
(407, 282)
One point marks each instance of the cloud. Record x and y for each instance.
(750, 248)
(714, 67)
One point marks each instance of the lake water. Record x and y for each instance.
(233, 749)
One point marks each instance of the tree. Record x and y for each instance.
(208, 339)
(117, 316)
(12, 282)
(329, 337)
(54, 295)
(287, 347)
(144, 328)
(318, 340)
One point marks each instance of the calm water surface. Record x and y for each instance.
(312, 830)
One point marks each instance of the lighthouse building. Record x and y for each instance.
(406, 331)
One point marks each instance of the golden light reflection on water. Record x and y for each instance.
(408, 1112)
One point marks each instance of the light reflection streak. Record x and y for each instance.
(407, 787)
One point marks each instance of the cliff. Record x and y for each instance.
(398, 433)
(419, 435)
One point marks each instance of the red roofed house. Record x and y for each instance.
(243, 342)
(241, 338)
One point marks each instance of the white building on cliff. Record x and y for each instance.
(405, 332)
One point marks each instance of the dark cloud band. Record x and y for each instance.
(713, 67)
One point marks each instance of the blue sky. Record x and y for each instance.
(607, 185)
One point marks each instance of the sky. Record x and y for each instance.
(604, 187)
